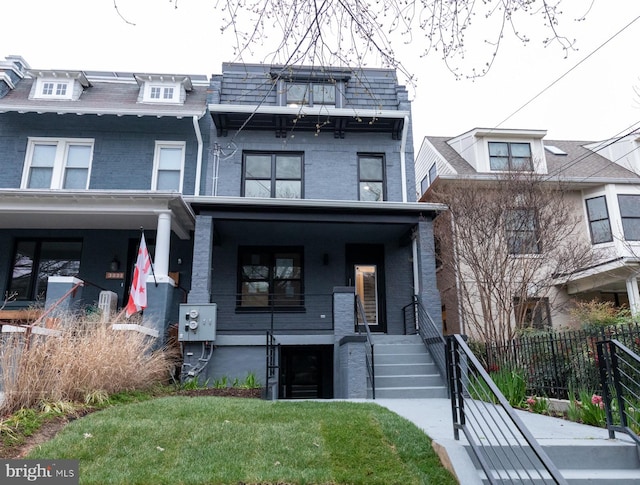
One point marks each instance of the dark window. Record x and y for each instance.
(371, 176)
(275, 175)
(598, 215)
(630, 214)
(505, 156)
(433, 173)
(522, 231)
(533, 313)
(270, 277)
(35, 260)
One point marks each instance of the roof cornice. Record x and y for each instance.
(307, 111)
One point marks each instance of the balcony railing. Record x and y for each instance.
(259, 313)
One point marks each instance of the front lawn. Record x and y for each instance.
(212, 440)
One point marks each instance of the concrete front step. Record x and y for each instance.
(415, 358)
(417, 392)
(409, 380)
(616, 461)
(405, 369)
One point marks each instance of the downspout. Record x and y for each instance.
(403, 157)
(416, 279)
(196, 128)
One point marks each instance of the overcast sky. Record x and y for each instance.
(595, 101)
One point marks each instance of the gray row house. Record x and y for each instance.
(272, 198)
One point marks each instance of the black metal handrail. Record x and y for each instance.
(620, 380)
(431, 335)
(248, 313)
(272, 367)
(505, 449)
(361, 322)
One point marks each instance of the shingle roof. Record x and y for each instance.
(104, 97)
(579, 162)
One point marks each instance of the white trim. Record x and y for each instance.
(60, 159)
(56, 83)
(151, 332)
(196, 129)
(307, 111)
(160, 144)
(50, 332)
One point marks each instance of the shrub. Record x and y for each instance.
(87, 360)
(596, 314)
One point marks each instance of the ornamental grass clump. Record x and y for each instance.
(89, 358)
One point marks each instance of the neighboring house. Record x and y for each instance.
(601, 186)
(87, 160)
(270, 196)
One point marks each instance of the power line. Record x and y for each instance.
(568, 71)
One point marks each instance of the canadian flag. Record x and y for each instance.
(138, 293)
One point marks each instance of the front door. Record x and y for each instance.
(366, 281)
(365, 263)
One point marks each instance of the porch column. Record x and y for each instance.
(634, 296)
(160, 312)
(428, 287)
(163, 241)
(202, 255)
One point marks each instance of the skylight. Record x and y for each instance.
(555, 150)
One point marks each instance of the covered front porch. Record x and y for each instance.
(614, 280)
(87, 241)
(294, 268)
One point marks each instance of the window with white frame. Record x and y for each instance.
(57, 164)
(168, 166)
(159, 93)
(598, 216)
(53, 89)
(630, 215)
(508, 156)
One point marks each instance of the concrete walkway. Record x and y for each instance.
(434, 417)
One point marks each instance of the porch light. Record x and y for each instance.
(114, 265)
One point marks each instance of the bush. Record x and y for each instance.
(595, 314)
(87, 360)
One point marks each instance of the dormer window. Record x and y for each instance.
(55, 89)
(310, 94)
(167, 89)
(506, 156)
(58, 85)
(162, 93)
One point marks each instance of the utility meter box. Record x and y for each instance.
(197, 322)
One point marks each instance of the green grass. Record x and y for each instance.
(211, 440)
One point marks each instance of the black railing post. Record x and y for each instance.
(615, 369)
(455, 386)
(604, 367)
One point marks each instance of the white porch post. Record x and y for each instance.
(634, 296)
(163, 240)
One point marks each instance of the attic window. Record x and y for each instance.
(161, 93)
(554, 150)
(54, 89)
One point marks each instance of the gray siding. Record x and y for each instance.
(330, 165)
(123, 150)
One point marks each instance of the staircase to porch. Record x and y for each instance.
(405, 369)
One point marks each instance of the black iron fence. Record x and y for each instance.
(556, 364)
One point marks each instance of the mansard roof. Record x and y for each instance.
(107, 93)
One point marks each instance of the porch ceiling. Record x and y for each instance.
(121, 210)
(610, 276)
